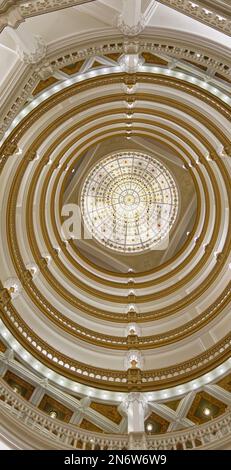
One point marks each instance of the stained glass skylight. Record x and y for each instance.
(129, 202)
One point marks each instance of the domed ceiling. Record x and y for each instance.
(129, 202)
(115, 201)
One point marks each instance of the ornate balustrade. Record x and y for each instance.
(67, 436)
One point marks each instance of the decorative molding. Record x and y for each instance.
(130, 30)
(211, 16)
(137, 28)
(17, 413)
(4, 297)
(37, 55)
(113, 379)
(12, 17)
(27, 279)
(46, 68)
(135, 397)
(12, 12)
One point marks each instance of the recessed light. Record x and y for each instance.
(206, 411)
(149, 427)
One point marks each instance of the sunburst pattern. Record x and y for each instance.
(129, 202)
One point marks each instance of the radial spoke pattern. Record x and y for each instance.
(129, 202)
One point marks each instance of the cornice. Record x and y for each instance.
(205, 11)
(211, 14)
(23, 416)
(72, 54)
(117, 380)
(42, 349)
(219, 6)
(38, 293)
(12, 12)
(47, 157)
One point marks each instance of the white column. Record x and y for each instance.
(132, 21)
(135, 406)
(131, 12)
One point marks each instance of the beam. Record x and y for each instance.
(198, 13)
(132, 20)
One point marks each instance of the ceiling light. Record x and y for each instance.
(149, 427)
(206, 411)
(53, 414)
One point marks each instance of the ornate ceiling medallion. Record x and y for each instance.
(129, 202)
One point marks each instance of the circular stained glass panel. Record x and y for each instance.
(129, 202)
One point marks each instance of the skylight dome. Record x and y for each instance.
(129, 202)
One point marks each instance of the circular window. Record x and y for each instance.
(129, 202)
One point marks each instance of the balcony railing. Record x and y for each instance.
(68, 436)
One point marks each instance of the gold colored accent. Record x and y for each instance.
(153, 59)
(195, 64)
(43, 84)
(223, 139)
(73, 68)
(218, 75)
(49, 404)
(202, 402)
(97, 64)
(142, 273)
(58, 238)
(113, 56)
(19, 385)
(173, 404)
(109, 411)
(4, 297)
(9, 148)
(159, 424)
(225, 383)
(133, 379)
(3, 347)
(89, 426)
